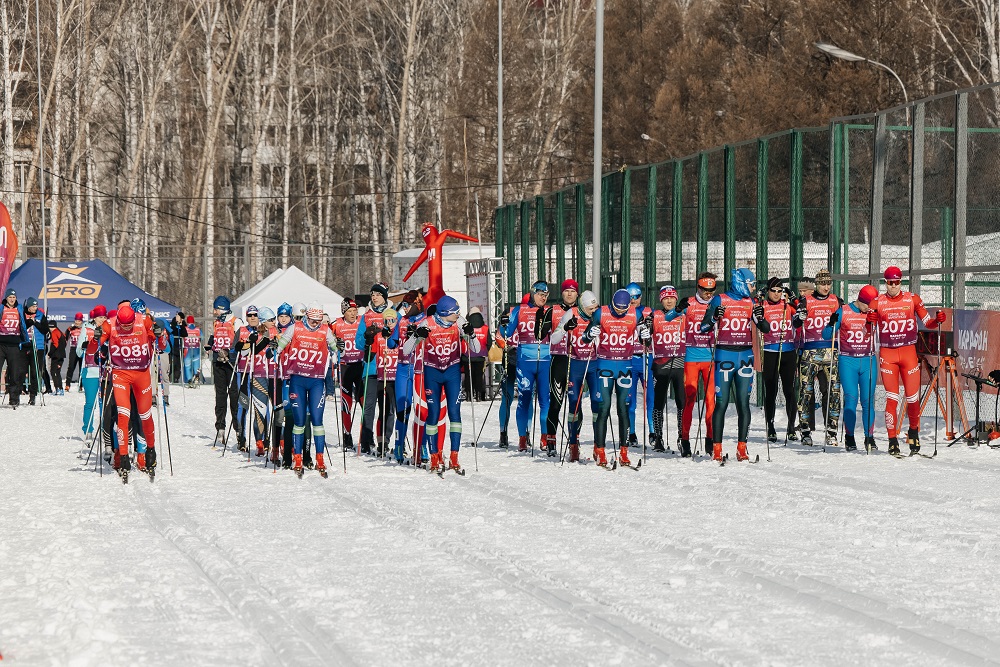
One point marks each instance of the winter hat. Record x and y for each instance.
(867, 293)
(475, 309)
(113, 314)
(285, 309)
(345, 306)
(299, 309)
(668, 291)
(9, 293)
(540, 286)
(381, 289)
(315, 311)
(78, 316)
(126, 316)
(251, 310)
(446, 306)
(743, 282)
(98, 311)
(266, 314)
(773, 282)
(389, 314)
(588, 299)
(29, 302)
(138, 305)
(569, 283)
(222, 303)
(893, 273)
(190, 319)
(621, 300)
(824, 275)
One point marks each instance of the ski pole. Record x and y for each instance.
(472, 405)
(576, 410)
(937, 387)
(229, 388)
(831, 380)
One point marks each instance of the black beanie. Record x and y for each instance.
(774, 282)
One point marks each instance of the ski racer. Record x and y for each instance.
(819, 358)
(192, 353)
(219, 344)
(559, 368)
(642, 371)
(780, 359)
(668, 346)
(368, 329)
(533, 363)
(87, 344)
(582, 366)
(349, 359)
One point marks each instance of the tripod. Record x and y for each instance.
(973, 440)
(951, 389)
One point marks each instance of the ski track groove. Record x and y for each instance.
(597, 615)
(933, 636)
(294, 641)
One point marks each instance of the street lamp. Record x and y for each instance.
(646, 137)
(843, 54)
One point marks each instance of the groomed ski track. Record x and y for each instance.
(813, 558)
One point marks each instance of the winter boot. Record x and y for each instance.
(741, 452)
(307, 459)
(623, 456)
(772, 436)
(549, 444)
(600, 457)
(522, 443)
(913, 440)
(320, 463)
(297, 464)
(150, 458)
(870, 444)
(792, 435)
(708, 445)
(260, 448)
(574, 452)
(717, 451)
(894, 446)
(140, 461)
(504, 443)
(241, 443)
(849, 444)
(454, 461)
(685, 448)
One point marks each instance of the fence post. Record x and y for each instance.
(561, 235)
(795, 233)
(729, 210)
(649, 239)
(540, 272)
(510, 217)
(625, 256)
(498, 231)
(878, 197)
(702, 253)
(762, 210)
(833, 212)
(947, 248)
(581, 238)
(525, 245)
(676, 221)
(961, 192)
(917, 195)
(604, 292)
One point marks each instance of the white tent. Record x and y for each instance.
(289, 285)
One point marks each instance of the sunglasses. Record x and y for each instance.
(774, 289)
(892, 282)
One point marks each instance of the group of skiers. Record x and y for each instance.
(403, 366)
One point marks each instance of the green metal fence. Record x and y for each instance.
(788, 204)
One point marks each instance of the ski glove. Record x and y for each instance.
(682, 305)
(719, 312)
(834, 318)
(341, 345)
(386, 332)
(940, 317)
(801, 311)
(504, 320)
(570, 324)
(370, 335)
(758, 313)
(872, 316)
(28, 322)
(644, 334)
(468, 330)
(253, 337)
(591, 333)
(422, 332)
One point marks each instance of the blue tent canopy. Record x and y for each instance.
(77, 287)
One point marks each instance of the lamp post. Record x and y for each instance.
(598, 139)
(843, 54)
(646, 137)
(499, 103)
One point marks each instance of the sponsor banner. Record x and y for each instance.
(975, 330)
(8, 247)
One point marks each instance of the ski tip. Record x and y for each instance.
(756, 459)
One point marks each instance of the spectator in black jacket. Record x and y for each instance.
(178, 331)
(57, 354)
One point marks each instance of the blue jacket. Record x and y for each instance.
(38, 334)
(22, 338)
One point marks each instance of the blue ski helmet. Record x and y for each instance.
(446, 306)
(540, 286)
(285, 309)
(743, 283)
(634, 290)
(266, 314)
(621, 300)
(222, 303)
(138, 305)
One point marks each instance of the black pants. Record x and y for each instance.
(34, 365)
(175, 360)
(665, 378)
(55, 371)
(74, 365)
(15, 360)
(786, 373)
(477, 390)
(352, 387)
(225, 388)
(558, 374)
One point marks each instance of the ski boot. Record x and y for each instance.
(717, 451)
(31, 399)
(436, 463)
(549, 444)
(166, 401)
(849, 444)
(913, 440)
(297, 465)
(870, 444)
(623, 455)
(321, 466)
(140, 461)
(657, 443)
(348, 442)
(504, 443)
(241, 444)
(307, 459)
(831, 440)
(522, 443)
(632, 440)
(894, 446)
(708, 445)
(600, 457)
(109, 455)
(741, 452)
(807, 439)
(220, 435)
(150, 460)
(792, 435)
(453, 463)
(574, 452)
(260, 448)
(772, 435)
(685, 448)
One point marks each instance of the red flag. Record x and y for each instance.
(8, 247)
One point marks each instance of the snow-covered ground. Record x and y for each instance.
(812, 559)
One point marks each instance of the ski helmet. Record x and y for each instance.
(446, 306)
(138, 305)
(126, 316)
(540, 286)
(743, 282)
(285, 309)
(266, 314)
(634, 290)
(867, 294)
(222, 303)
(621, 300)
(299, 310)
(588, 299)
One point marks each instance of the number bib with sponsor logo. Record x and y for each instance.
(735, 326)
(694, 314)
(349, 332)
(897, 322)
(779, 322)
(386, 360)
(562, 347)
(668, 337)
(855, 334)
(193, 339)
(10, 322)
(581, 351)
(307, 355)
(818, 312)
(74, 338)
(441, 349)
(223, 336)
(615, 343)
(130, 351)
(526, 325)
(90, 350)
(482, 335)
